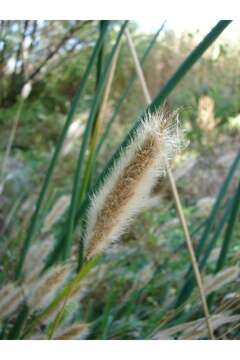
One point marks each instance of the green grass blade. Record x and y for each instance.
(187, 287)
(88, 266)
(127, 90)
(72, 111)
(218, 203)
(227, 237)
(106, 317)
(186, 66)
(190, 283)
(77, 194)
(100, 60)
(217, 234)
(229, 231)
(189, 62)
(96, 143)
(102, 24)
(19, 322)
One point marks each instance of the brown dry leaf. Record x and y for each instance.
(216, 282)
(199, 329)
(196, 329)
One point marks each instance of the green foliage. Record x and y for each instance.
(146, 284)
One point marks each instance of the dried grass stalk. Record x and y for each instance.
(216, 282)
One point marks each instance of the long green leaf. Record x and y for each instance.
(227, 237)
(182, 70)
(19, 322)
(70, 286)
(77, 178)
(188, 285)
(56, 252)
(229, 231)
(186, 66)
(189, 62)
(34, 220)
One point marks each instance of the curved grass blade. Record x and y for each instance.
(189, 62)
(102, 25)
(100, 62)
(190, 283)
(77, 194)
(218, 202)
(19, 322)
(88, 266)
(229, 231)
(179, 74)
(228, 236)
(187, 287)
(72, 111)
(183, 69)
(95, 144)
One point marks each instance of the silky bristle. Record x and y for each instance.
(56, 212)
(35, 259)
(46, 287)
(11, 298)
(129, 183)
(72, 332)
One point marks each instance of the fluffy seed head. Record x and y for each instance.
(46, 287)
(7, 290)
(11, 298)
(72, 332)
(56, 212)
(128, 185)
(35, 259)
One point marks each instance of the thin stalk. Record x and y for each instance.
(175, 194)
(187, 287)
(182, 70)
(229, 231)
(98, 125)
(178, 75)
(76, 192)
(19, 322)
(227, 238)
(189, 284)
(99, 68)
(65, 293)
(35, 217)
(101, 54)
(127, 89)
(56, 252)
(189, 62)
(11, 139)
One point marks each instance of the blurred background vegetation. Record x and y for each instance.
(41, 65)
